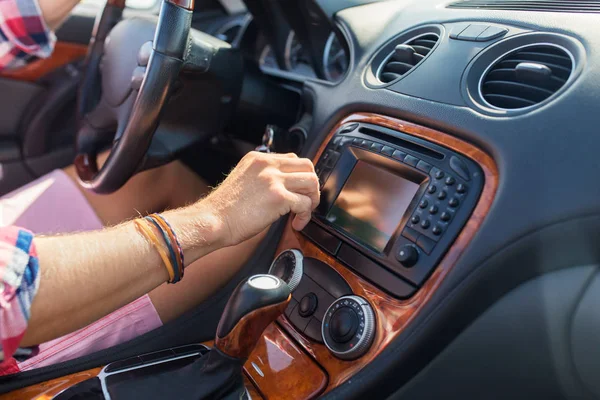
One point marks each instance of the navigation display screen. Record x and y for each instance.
(371, 204)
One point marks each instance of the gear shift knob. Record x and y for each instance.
(253, 305)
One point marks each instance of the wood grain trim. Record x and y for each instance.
(64, 53)
(286, 371)
(240, 342)
(49, 389)
(392, 315)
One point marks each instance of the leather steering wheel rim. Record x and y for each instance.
(134, 133)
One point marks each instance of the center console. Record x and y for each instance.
(399, 203)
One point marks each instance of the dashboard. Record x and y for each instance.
(517, 81)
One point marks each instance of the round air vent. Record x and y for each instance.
(401, 55)
(521, 73)
(406, 56)
(526, 77)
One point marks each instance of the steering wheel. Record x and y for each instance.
(127, 80)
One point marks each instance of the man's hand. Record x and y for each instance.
(262, 188)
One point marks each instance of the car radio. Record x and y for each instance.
(391, 204)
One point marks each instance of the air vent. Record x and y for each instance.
(574, 6)
(526, 77)
(406, 56)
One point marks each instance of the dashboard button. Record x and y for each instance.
(439, 174)
(410, 160)
(399, 155)
(423, 204)
(349, 127)
(366, 144)
(461, 188)
(433, 209)
(410, 234)
(437, 230)
(453, 202)
(445, 216)
(415, 219)
(387, 150)
(472, 32)
(431, 189)
(450, 181)
(492, 32)
(426, 244)
(308, 305)
(423, 166)
(425, 224)
(376, 147)
(459, 167)
(408, 255)
(457, 29)
(298, 320)
(442, 195)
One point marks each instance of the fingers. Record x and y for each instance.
(306, 183)
(300, 205)
(295, 165)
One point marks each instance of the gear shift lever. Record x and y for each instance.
(253, 305)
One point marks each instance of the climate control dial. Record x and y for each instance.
(349, 327)
(288, 266)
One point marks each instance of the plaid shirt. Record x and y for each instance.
(19, 282)
(24, 35)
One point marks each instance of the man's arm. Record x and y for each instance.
(86, 276)
(54, 12)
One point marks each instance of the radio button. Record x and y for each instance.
(433, 209)
(426, 244)
(356, 141)
(410, 234)
(399, 155)
(459, 167)
(442, 195)
(437, 230)
(423, 204)
(450, 181)
(365, 144)
(453, 202)
(445, 216)
(423, 166)
(349, 127)
(461, 188)
(408, 255)
(439, 174)
(376, 147)
(387, 150)
(410, 160)
(415, 219)
(431, 189)
(425, 224)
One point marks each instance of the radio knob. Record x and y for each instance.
(408, 255)
(288, 266)
(348, 328)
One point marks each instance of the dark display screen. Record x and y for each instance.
(371, 204)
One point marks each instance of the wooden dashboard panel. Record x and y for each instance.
(278, 368)
(392, 315)
(63, 54)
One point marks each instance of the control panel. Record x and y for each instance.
(447, 186)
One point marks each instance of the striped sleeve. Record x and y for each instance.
(24, 35)
(19, 282)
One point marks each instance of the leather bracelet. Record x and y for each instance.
(146, 231)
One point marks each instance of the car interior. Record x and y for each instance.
(454, 252)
